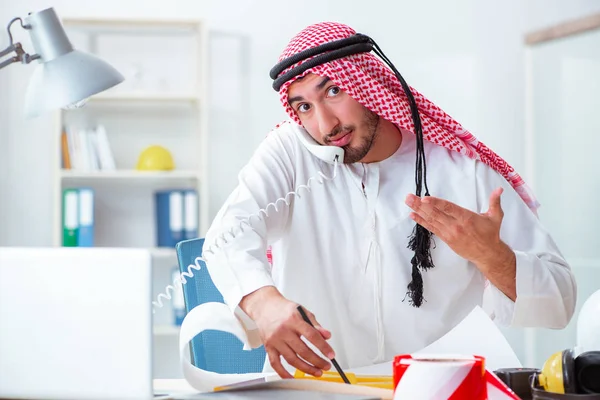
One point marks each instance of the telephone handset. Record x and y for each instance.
(330, 154)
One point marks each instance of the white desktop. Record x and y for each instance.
(75, 323)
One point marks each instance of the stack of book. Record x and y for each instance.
(86, 149)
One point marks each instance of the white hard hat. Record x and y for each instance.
(588, 324)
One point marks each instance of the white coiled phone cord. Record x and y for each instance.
(235, 231)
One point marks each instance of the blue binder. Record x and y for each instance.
(169, 217)
(86, 218)
(214, 351)
(190, 214)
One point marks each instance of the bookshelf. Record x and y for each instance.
(146, 98)
(161, 102)
(165, 330)
(130, 175)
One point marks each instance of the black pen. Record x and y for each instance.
(335, 364)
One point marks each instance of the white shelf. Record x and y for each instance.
(143, 97)
(162, 252)
(129, 174)
(126, 25)
(165, 330)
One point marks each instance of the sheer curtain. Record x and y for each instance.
(563, 143)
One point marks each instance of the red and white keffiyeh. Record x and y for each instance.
(370, 82)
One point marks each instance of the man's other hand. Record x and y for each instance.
(473, 236)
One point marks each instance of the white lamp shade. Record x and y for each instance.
(66, 80)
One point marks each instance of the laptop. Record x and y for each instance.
(76, 323)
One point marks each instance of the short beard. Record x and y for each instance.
(355, 154)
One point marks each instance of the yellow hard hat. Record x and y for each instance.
(155, 158)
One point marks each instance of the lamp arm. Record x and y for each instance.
(11, 47)
(8, 50)
(21, 55)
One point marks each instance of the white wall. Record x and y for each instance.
(471, 64)
(466, 55)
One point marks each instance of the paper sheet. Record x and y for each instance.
(215, 316)
(476, 334)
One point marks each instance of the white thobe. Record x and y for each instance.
(341, 251)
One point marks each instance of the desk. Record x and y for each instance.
(180, 389)
(173, 386)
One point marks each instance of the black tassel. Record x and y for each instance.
(415, 287)
(420, 240)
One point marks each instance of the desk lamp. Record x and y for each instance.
(65, 77)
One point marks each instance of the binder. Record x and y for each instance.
(169, 217)
(190, 213)
(70, 217)
(86, 218)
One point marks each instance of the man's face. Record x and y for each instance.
(332, 117)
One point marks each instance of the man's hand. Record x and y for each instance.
(474, 237)
(281, 327)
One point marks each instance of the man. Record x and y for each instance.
(382, 271)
